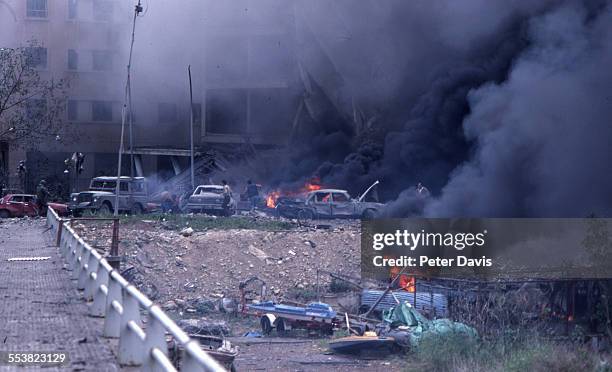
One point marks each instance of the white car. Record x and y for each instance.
(209, 199)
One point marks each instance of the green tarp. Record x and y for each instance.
(404, 316)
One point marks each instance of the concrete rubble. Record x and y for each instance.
(175, 265)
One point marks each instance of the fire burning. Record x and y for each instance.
(273, 196)
(271, 199)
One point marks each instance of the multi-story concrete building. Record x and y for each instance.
(247, 82)
(245, 78)
(80, 41)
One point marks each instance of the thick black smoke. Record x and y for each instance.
(543, 135)
(397, 75)
(515, 124)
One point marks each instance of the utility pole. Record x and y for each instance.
(124, 110)
(191, 127)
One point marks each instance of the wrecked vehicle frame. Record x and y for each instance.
(328, 204)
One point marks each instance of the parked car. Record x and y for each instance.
(20, 205)
(101, 196)
(327, 203)
(209, 199)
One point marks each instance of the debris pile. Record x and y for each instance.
(179, 265)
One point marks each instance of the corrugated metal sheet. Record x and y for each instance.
(435, 304)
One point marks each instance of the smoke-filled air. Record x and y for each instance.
(498, 108)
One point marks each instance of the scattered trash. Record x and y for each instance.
(204, 327)
(253, 334)
(221, 350)
(257, 253)
(357, 344)
(409, 326)
(188, 231)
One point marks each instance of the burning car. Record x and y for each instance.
(327, 203)
(209, 199)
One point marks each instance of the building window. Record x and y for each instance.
(72, 9)
(102, 60)
(167, 112)
(72, 110)
(37, 57)
(102, 10)
(101, 111)
(73, 59)
(37, 8)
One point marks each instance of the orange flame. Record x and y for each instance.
(273, 196)
(271, 199)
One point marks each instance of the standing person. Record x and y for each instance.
(227, 197)
(252, 193)
(42, 196)
(166, 200)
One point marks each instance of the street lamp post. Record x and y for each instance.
(127, 108)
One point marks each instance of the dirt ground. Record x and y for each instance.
(183, 261)
(212, 262)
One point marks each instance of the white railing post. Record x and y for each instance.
(155, 339)
(91, 276)
(112, 322)
(98, 307)
(76, 263)
(84, 267)
(119, 303)
(130, 344)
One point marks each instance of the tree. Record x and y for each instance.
(32, 109)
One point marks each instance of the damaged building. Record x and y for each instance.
(252, 87)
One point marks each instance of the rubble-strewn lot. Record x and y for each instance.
(188, 263)
(182, 259)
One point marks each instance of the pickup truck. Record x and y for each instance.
(327, 204)
(101, 196)
(208, 199)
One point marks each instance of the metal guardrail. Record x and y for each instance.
(119, 302)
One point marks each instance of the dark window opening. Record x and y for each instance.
(322, 198)
(37, 8)
(72, 110)
(101, 111)
(73, 59)
(72, 9)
